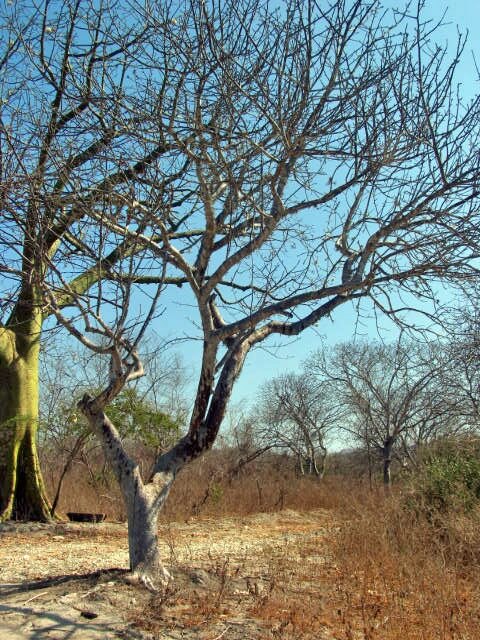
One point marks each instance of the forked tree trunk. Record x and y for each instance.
(22, 493)
(143, 501)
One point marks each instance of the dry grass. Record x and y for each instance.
(276, 590)
(402, 575)
(204, 488)
(382, 573)
(391, 573)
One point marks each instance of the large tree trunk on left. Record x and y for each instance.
(22, 493)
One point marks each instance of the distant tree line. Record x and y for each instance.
(389, 400)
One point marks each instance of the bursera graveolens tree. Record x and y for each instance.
(273, 162)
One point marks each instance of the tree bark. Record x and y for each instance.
(22, 493)
(387, 463)
(299, 466)
(143, 507)
(142, 500)
(320, 468)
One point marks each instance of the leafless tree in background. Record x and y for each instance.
(273, 162)
(461, 377)
(392, 395)
(296, 412)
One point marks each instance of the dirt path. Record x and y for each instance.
(234, 578)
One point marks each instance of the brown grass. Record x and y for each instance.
(400, 575)
(393, 573)
(388, 574)
(205, 487)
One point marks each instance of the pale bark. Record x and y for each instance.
(143, 501)
(387, 462)
(300, 467)
(320, 463)
(143, 506)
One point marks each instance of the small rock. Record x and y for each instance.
(90, 615)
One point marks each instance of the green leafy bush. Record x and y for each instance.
(449, 477)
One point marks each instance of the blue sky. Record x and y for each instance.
(283, 355)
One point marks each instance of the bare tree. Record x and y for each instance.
(296, 412)
(275, 163)
(75, 146)
(461, 376)
(392, 393)
(150, 414)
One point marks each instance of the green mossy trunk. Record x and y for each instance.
(22, 493)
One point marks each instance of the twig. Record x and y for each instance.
(34, 597)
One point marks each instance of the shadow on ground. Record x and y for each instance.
(66, 607)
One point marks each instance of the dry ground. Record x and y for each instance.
(261, 576)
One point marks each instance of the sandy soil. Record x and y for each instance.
(70, 580)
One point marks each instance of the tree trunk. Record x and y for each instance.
(313, 464)
(387, 463)
(299, 466)
(143, 509)
(370, 465)
(312, 467)
(320, 468)
(142, 500)
(22, 493)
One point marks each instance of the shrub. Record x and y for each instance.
(449, 477)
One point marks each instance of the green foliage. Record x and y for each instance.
(136, 418)
(216, 493)
(133, 414)
(449, 479)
